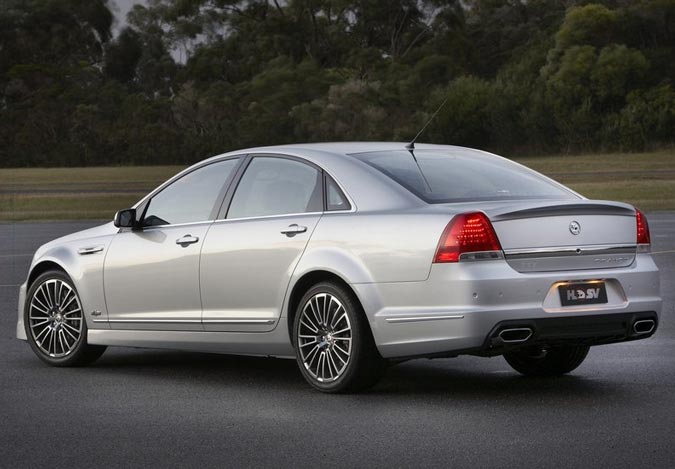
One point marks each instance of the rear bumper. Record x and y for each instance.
(586, 330)
(458, 307)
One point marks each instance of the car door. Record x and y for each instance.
(249, 256)
(151, 274)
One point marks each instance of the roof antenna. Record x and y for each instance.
(411, 145)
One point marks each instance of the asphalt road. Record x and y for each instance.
(153, 408)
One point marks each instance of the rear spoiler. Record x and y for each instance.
(590, 208)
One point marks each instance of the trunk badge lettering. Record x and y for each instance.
(588, 294)
(600, 260)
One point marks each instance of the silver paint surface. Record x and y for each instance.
(229, 292)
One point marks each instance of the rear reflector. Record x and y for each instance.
(466, 232)
(642, 228)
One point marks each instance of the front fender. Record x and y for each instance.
(42, 259)
(85, 270)
(20, 329)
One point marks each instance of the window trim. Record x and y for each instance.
(144, 204)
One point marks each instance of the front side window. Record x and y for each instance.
(276, 186)
(190, 198)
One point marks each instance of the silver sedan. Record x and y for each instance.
(346, 257)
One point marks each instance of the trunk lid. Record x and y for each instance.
(564, 234)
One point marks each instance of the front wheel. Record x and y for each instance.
(55, 323)
(543, 361)
(334, 347)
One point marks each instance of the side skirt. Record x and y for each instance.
(273, 344)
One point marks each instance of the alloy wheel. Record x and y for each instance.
(55, 318)
(325, 337)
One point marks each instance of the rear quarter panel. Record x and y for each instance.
(374, 247)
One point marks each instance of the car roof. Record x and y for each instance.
(347, 148)
(363, 184)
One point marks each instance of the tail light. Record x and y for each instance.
(642, 228)
(466, 233)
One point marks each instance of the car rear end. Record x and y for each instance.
(515, 272)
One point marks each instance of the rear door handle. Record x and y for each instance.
(186, 240)
(293, 229)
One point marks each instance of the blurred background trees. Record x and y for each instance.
(190, 78)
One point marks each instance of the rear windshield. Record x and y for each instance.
(442, 176)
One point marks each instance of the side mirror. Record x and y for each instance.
(125, 218)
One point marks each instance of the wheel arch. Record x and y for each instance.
(325, 263)
(41, 267)
(303, 284)
(63, 260)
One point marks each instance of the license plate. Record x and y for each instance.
(582, 293)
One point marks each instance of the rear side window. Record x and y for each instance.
(335, 198)
(439, 176)
(277, 186)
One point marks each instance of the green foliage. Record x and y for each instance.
(466, 116)
(570, 85)
(191, 78)
(647, 120)
(592, 24)
(617, 71)
(350, 111)
(122, 56)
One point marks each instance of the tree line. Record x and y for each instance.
(191, 78)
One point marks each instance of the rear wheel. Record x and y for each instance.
(55, 324)
(334, 347)
(544, 361)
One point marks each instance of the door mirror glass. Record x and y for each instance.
(125, 218)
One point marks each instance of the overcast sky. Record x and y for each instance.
(120, 8)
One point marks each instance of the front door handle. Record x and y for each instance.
(293, 229)
(186, 240)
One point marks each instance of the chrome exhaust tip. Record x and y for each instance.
(644, 326)
(515, 335)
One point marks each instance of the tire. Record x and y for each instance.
(334, 346)
(55, 324)
(547, 362)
